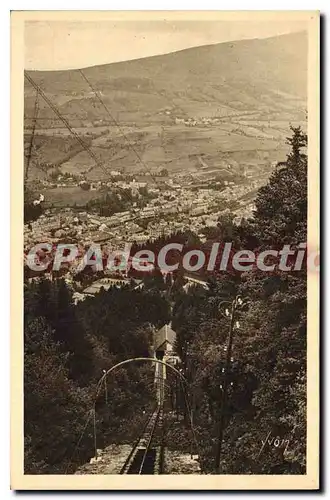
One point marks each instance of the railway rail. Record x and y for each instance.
(147, 455)
(144, 457)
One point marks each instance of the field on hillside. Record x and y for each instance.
(173, 147)
(68, 196)
(164, 111)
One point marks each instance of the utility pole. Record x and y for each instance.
(105, 387)
(176, 398)
(225, 383)
(106, 390)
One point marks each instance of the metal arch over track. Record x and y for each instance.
(132, 360)
(144, 458)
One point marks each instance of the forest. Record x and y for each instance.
(67, 347)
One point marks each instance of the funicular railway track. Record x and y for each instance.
(143, 458)
(146, 456)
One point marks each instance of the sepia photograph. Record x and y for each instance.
(165, 219)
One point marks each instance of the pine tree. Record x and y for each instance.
(268, 367)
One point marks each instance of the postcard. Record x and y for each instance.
(165, 250)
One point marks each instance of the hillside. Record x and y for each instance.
(240, 98)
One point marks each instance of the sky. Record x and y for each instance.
(56, 45)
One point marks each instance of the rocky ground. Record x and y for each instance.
(109, 461)
(177, 462)
(112, 458)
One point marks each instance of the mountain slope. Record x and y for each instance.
(256, 88)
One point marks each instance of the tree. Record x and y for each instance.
(61, 371)
(52, 403)
(168, 281)
(280, 216)
(31, 211)
(154, 280)
(267, 397)
(85, 186)
(53, 302)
